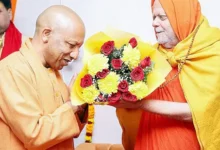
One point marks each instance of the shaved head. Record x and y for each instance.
(58, 17)
(58, 36)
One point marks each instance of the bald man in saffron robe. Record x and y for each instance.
(36, 112)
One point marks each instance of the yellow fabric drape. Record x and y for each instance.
(200, 80)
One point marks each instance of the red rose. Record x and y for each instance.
(86, 81)
(145, 63)
(127, 96)
(123, 86)
(102, 74)
(116, 63)
(114, 98)
(101, 98)
(107, 47)
(137, 74)
(133, 42)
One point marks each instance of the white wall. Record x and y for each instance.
(129, 15)
(27, 12)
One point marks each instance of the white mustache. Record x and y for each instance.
(158, 30)
(69, 60)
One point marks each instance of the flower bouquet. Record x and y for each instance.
(118, 65)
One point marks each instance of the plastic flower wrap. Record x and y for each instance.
(118, 65)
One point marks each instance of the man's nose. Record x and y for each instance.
(74, 55)
(155, 22)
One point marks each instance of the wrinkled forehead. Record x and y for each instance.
(157, 8)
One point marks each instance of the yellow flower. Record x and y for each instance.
(89, 94)
(88, 138)
(140, 89)
(109, 84)
(96, 63)
(131, 56)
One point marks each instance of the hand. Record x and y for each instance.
(83, 113)
(82, 108)
(72, 81)
(77, 109)
(127, 104)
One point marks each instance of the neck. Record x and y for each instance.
(167, 46)
(170, 45)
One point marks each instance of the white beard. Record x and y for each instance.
(165, 41)
(162, 39)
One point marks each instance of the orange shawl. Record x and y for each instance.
(199, 77)
(182, 20)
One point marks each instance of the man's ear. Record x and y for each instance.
(46, 34)
(10, 13)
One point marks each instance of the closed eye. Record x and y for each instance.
(161, 17)
(71, 46)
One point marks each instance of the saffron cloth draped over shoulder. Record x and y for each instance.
(200, 78)
(198, 54)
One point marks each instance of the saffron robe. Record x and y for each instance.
(33, 112)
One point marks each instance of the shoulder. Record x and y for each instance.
(15, 63)
(215, 48)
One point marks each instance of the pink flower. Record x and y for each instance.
(137, 74)
(101, 98)
(133, 42)
(86, 81)
(102, 74)
(146, 62)
(123, 86)
(114, 98)
(116, 63)
(127, 96)
(108, 47)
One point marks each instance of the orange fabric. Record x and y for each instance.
(13, 7)
(33, 110)
(184, 15)
(129, 120)
(157, 132)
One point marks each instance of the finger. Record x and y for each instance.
(72, 81)
(79, 109)
(84, 105)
